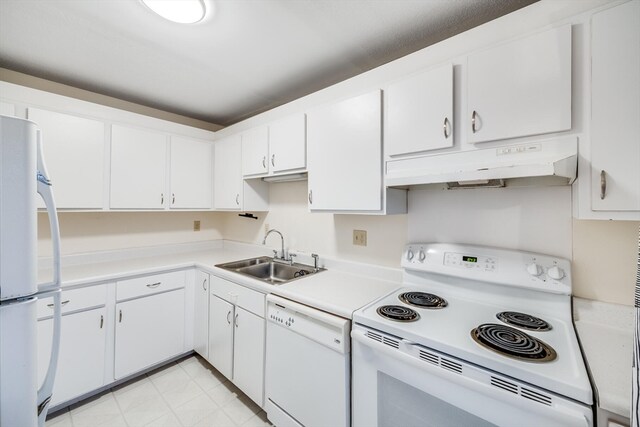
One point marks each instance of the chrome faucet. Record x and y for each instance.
(264, 241)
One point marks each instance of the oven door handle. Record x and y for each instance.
(561, 415)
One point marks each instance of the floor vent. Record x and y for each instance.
(505, 385)
(390, 342)
(429, 357)
(451, 365)
(535, 396)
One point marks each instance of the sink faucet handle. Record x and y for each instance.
(275, 253)
(291, 256)
(315, 260)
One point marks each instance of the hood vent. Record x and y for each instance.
(550, 162)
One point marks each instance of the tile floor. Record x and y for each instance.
(185, 393)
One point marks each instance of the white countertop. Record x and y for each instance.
(606, 334)
(341, 289)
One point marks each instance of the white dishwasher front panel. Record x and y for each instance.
(307, 378)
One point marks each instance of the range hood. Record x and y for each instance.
(549, 162)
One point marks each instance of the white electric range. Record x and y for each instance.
(476, 336)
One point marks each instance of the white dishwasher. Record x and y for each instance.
(307, 367)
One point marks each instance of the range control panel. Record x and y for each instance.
(507, 267)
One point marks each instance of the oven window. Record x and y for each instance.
(400, 404)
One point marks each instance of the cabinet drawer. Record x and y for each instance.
(148, 285)
(74, 300)
(246, 298)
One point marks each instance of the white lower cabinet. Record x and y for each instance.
(148, 330)
(201, 314)
(221, 335)
(236, 336)
(82, 353)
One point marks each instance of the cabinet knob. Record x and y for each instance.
(264, 162)
(238, 199)
(228, 314)
(446, 128)
(273, 160)
(310, 197)
(173, 198)
(120, 317)
(162, 198)
(236, 320)
(101, 321)
(474, 115)
(603, 184)
(204, 284)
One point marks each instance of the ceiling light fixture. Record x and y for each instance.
(180, 11)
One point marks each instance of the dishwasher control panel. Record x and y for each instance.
(323, 328)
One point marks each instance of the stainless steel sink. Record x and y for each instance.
(274, 272)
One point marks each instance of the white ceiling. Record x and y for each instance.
(251, 56)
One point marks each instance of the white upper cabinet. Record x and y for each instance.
(227, 172)
(345, 155)
(138, 163)
(419, 112)
(520, 88)
(615, 109)
(191, 180)
(288, 144)
(74, 153)
(255, 151)
(7, 109)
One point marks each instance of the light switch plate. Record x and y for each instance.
(196, 225)
(360, 237)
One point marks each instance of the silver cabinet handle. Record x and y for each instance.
(236, 320)
(603, 184)
(204, 283)
(120, 317)
(445, 127)
(101, 321)
(473, 121)
(162, 198)
(273, 160)
(62, 303)
(228, 314)
(311, 197)
(173, 198)
(264, 162)
(237, 199)
(154, 285)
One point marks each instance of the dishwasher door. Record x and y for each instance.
(307, 372)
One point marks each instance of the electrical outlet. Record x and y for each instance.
(196, 225)
(360, 237)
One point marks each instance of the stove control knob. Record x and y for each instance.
(555, 272)
(421, 256)
(534, 269)
(409, 255)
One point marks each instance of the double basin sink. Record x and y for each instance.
(270, 270)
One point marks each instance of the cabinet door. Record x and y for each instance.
(201, 315)
(191, 181)
(288, 144)
(255, 151)
(345, 155)
(74, 153)
(82, 353)
(138, 162)
(227, 172)
(520, 88)
(419, 112)
(221, 315)
(148, 331)
(248, 355)
(615, 108)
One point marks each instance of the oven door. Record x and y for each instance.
(399, 383)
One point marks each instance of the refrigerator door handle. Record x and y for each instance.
(44, 189)
(45, 392)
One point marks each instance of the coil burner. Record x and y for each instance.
(512, 343)
(523, 320)
(398, 313)
(423, 300)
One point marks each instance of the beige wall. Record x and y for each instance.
(605, 257)
(103, 231)
(321, 233)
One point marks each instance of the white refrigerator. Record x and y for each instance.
(22, 177)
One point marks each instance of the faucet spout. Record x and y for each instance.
(273, 230)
